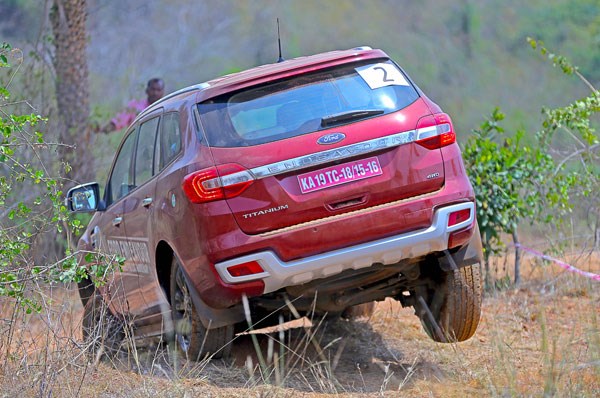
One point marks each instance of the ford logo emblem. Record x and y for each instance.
(332, 138)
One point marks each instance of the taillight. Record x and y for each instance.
(216, 183)
(435, 131)
(461, 237)
(244, 269)
(458, 216)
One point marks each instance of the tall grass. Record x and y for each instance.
(540, 340)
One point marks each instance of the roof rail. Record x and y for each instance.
(195, 87)
(362, 48)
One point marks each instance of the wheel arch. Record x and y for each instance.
(210, 317)
(86, 290)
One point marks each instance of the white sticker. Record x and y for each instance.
(381, 75)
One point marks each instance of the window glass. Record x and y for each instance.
(121, 179)
(170, 139)
(144, 157)
(305, 103)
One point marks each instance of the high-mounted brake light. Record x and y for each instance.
(436, 131)
(216, 183)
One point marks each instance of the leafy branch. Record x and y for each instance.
(558, 60)
(514, 182)
(32, 201)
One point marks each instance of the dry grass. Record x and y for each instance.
(540, 340)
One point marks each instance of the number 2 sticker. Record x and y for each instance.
(381, 75)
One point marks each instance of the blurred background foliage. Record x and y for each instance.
(472, 57)
(469, 56)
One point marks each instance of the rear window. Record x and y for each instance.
(306, 103)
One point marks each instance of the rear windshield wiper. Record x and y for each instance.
(349, 116)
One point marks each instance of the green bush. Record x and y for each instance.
(31, 200)
(514, 182)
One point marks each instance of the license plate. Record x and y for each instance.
(339, 174)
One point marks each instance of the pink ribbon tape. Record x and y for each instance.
(564, 265)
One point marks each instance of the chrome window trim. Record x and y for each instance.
(330, 155)
(317, 158)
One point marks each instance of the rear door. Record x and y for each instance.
(138, 213)
(158, 145)
(323, 144)
(110, 231)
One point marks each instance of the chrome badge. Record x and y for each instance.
(332, 138)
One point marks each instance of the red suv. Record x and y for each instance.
(330, 180)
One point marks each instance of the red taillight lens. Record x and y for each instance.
(459, 238)
(215, 183)
(249, 268)
(459, 216)
(436, 131)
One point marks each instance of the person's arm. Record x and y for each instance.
(120, 121)
(125, 118)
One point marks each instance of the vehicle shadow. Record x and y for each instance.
(333, 356)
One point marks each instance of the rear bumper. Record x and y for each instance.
(278, 274)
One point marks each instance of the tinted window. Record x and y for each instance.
(169, 139)
(300, 105)
(121, 179)
(144, 158)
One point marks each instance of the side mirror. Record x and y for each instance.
(83, 198)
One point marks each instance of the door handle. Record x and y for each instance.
(147, 202)
(117, 221)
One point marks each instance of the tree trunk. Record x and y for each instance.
(68, 19)
(466, 27)
(515, 237)
(597, 233)
(487, 279)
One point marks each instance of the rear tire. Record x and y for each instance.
(191, 337)
(102, 331)
(450, 311)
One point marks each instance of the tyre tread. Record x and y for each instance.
(460, 312)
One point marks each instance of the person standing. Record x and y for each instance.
(155, 89)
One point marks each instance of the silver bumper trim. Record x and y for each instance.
(390, 250)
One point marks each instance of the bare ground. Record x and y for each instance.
(542, 339)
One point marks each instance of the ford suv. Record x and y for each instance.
(331, 181)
